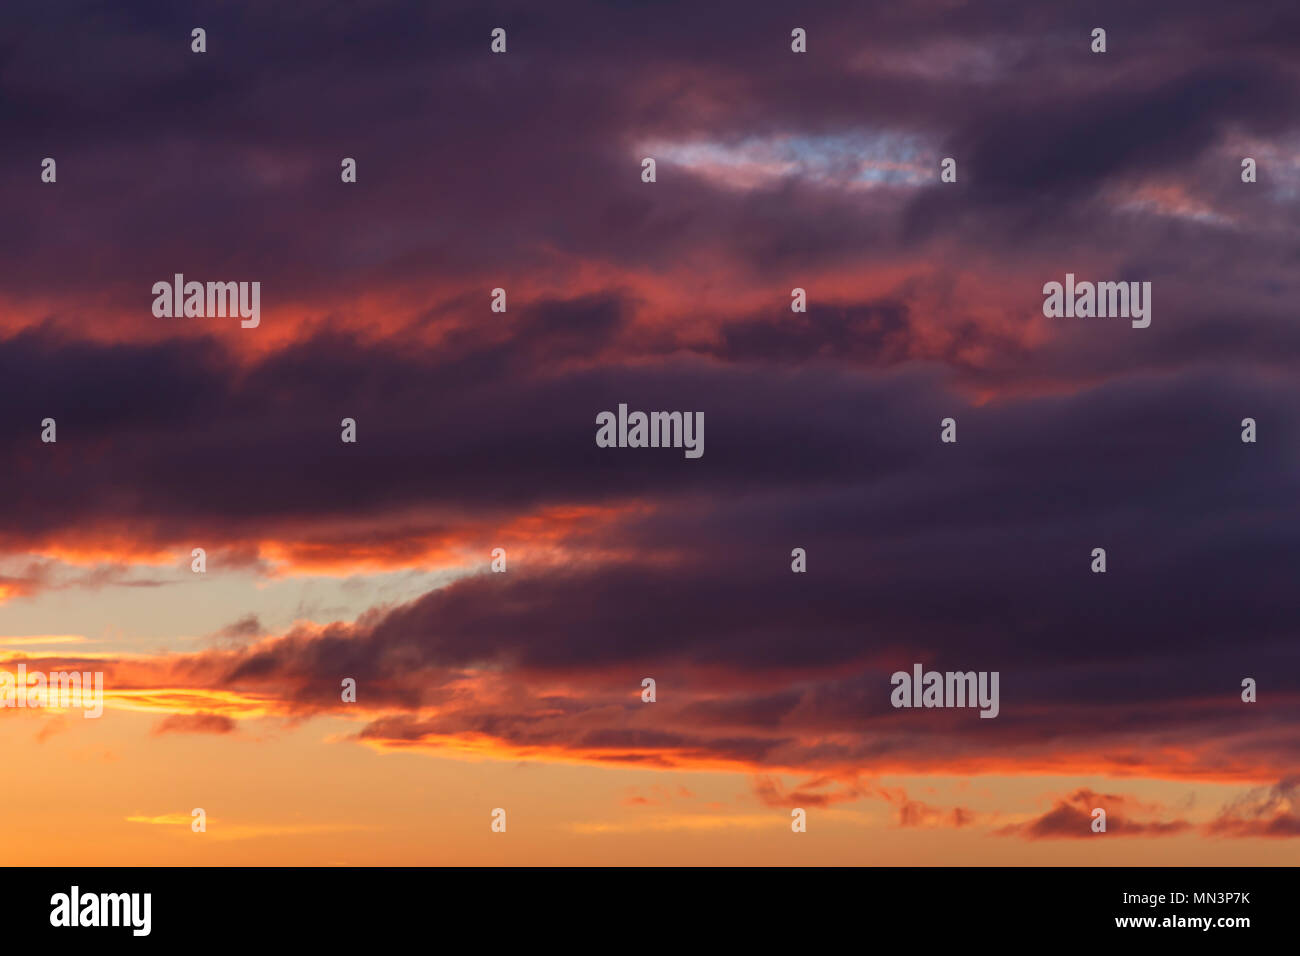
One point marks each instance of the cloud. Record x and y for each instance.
(770, 793)
(1262, 812)
(222, 830)
(915, 813)
(195, 724)
(476, 428)
(1072, 818)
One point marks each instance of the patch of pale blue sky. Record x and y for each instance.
(178, 609)
(1278, 168)
(857, 159)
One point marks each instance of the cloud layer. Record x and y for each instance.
(476, 429)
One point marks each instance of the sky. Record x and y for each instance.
(371, 560)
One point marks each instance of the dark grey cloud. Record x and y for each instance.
(822, 429)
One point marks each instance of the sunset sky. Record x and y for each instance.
(475, 430)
